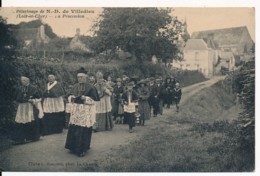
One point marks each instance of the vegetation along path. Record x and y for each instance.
(107, 148)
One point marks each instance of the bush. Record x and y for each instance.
(241, 139)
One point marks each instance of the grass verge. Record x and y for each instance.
(200, 138)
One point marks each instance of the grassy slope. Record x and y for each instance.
(190, 141)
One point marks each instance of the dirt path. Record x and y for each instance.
(49, 153)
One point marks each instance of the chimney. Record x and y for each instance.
(78, 31)
(42, 32)
(211, 36)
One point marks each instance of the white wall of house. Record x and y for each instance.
(201, 60)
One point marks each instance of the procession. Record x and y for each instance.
(94, 104)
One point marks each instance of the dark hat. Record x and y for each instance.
(142, 82)
(130, 84)
(134, 78)
(82, 70)
(151, 79)
(158, 79)
(147, 80)
(106, 75)
(125, 78)
(91, 74)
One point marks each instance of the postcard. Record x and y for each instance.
(67, 74)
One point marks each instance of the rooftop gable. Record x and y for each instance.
(226, 36)
(195, 44)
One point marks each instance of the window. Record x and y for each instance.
(196, 56)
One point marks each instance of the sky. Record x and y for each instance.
(198, 19)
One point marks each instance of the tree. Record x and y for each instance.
(58, 44)
(7, 40)
(141, 31)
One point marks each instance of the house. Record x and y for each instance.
(31, 37)
(213, 51)
(236, 39)
(197, 56)
(76, 43)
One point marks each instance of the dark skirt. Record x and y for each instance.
(114, 106)
(177, 100)
(78, 139)
(52, 123)
(26, 132)
(144, 110)
(130, 119)
(167, 99)
(117, 108)
(104, 122)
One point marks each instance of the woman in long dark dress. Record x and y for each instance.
(53, 107)
(168, 92)
(143, 105)
(83, 115)
(118, 111)
(27, 128)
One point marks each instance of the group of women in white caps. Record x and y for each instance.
(95, 103)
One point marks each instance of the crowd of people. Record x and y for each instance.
(94, 104)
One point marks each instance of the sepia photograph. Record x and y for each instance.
(127, 89)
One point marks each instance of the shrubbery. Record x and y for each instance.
(238, 145)
(244, 81)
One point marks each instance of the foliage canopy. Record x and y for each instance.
(141, 31)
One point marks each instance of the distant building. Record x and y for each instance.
(212, 51)
(236, 39)
(197, 56)
(76, 43)
(31, 37)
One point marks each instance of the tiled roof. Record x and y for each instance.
(195, 44)
(224, 36)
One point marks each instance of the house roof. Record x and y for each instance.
(25, 34)
(195, 44)
(226, 36)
